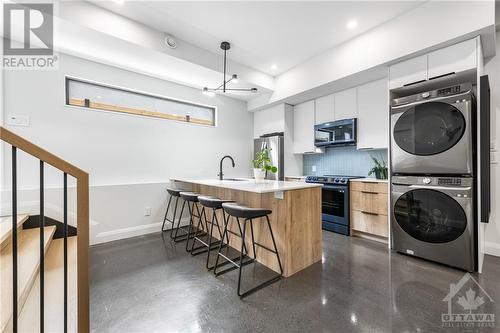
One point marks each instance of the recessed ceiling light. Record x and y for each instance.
(274, 67)
(351, 24)
(120, 2)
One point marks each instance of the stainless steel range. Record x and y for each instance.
(335, 202)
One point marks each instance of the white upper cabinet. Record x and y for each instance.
(325, 109)
(345, 104)
(456, 58)
(303, 128)
(269, 121)
(408, 72)
(453, 59)
(373, 115)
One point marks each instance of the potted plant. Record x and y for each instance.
(379, 169)
(262, 164)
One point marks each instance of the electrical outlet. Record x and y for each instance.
(278, 195)
(313, 168)
(147, 211)
(18, 120)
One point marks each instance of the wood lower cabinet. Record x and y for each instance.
(369, 216)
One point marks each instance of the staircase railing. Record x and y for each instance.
(82, 203)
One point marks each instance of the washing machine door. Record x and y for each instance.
(429, 128)
(430, 216)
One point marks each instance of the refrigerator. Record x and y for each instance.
(275, 141)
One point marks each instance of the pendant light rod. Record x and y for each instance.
(226, 46)
(224, 78)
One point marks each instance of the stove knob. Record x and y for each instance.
(425, 95)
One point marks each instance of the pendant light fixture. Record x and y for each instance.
(234, 78)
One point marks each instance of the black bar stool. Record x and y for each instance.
(213, 203)
(249, 214)
(184, 234)
(192, 202)
(173, 193)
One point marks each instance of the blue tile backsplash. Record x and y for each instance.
(342, 161)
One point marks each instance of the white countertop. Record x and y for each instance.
(250, 185)
(367, 180)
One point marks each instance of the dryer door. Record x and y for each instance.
(429, 128)
(430, 216)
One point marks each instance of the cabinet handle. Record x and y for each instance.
(369, 192)
(443, 75)
(416, 82)
(368, 213)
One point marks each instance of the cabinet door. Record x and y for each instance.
(269, 121)
(453, 59)
(324, 110)
(346, 104)
(303, 128)
(408, 72)
(373, 115)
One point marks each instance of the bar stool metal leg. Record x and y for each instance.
(210, 237)
(232, 261)
(166, 213)
(275, 251)
(205, 247)
(182, 237)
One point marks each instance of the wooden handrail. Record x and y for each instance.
(82, 220)
(40, 153)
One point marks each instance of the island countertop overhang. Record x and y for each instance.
(249, 185)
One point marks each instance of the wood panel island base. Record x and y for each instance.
(296, 219)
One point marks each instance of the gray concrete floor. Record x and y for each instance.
(149, 284)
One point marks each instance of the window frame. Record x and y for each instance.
(139, 113)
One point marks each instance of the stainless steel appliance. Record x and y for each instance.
(433, 218)
(275, 141)
(432, 132)
(335, 133)
(334, 202)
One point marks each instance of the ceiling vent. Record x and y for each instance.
(170, 41)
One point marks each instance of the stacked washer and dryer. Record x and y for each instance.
(433, 140)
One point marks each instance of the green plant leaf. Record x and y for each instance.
(274, 169)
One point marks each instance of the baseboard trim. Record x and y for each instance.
(124, 233)
(492, 249)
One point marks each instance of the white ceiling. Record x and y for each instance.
(263, 33)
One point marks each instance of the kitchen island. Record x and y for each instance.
(296, 218)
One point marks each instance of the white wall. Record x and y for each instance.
(129, 158)
(492, 232)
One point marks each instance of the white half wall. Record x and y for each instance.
(129, 158)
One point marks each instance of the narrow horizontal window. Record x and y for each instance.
(101, 97)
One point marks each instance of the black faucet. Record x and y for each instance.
(221, 175)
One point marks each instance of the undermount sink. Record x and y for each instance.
(236, 179)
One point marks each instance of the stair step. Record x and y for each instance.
(6, 227)
(29, 319)
(28, 259)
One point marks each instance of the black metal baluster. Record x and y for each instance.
(14, 239)
(42, 249)
(65, 214)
